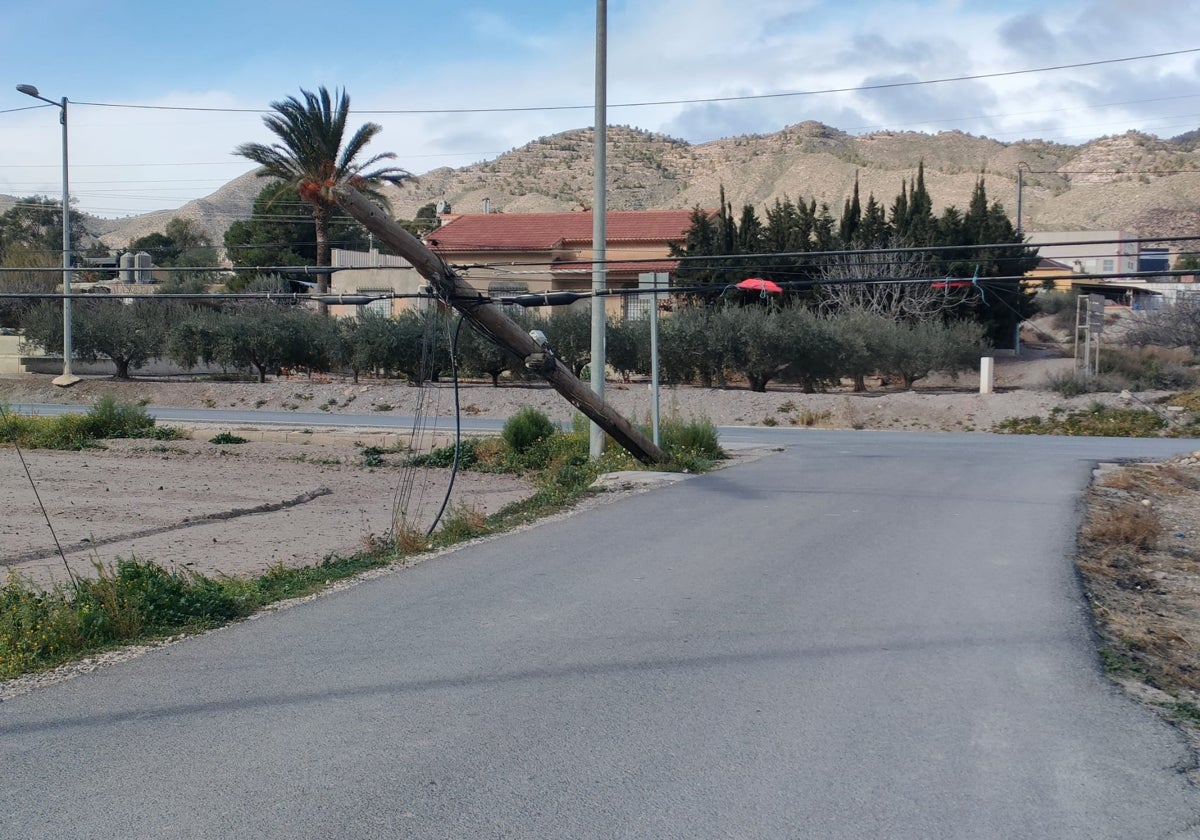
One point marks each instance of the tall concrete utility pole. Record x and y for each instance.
(494, 323)
(599, 355)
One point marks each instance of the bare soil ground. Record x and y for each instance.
(293, 496)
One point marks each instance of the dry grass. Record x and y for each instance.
(1139, 559)
(810, 418)
(1128, 525)
(409, 540)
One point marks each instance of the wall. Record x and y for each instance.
(10, 355)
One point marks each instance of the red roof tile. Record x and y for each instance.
(545, 231)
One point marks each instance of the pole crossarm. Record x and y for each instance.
(492, 321)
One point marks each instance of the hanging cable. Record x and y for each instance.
(457, 426)
(12, 437)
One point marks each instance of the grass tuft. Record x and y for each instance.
(1130, 524)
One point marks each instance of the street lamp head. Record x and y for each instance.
(29, 90)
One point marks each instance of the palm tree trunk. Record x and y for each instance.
(321, 215)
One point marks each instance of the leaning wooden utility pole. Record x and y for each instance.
(494, 323)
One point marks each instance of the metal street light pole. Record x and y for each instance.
(598, 360)
(67, 377)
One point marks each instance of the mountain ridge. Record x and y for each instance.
(1133, 182)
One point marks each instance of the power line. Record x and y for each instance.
(698, 101)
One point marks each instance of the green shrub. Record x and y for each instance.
(691, 445)
(444, 457)
(227, 438)
(109, 418)
(525, 429)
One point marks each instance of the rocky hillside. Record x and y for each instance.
(1134, 182)
(213, 214)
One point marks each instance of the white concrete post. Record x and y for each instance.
(987, 374)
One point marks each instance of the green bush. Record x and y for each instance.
(227, 438)
(525, 429)
(692, 446)
(109, 418)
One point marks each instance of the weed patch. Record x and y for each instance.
(1096, 421)
(373, 456)
(134, 601)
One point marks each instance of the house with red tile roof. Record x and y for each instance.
(505, 254)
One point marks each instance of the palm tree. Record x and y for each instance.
(310, 155)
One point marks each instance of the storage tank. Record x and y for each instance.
(142, 265)
(126, 272)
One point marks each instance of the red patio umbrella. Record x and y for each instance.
(758, 284)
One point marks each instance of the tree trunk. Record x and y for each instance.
(321, 216)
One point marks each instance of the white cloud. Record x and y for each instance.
(668, 50)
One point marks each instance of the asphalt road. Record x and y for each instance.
(868, 635)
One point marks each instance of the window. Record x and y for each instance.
(1108, 265)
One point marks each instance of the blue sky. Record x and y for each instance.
(235, 58)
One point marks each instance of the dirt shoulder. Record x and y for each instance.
(1139, 560)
